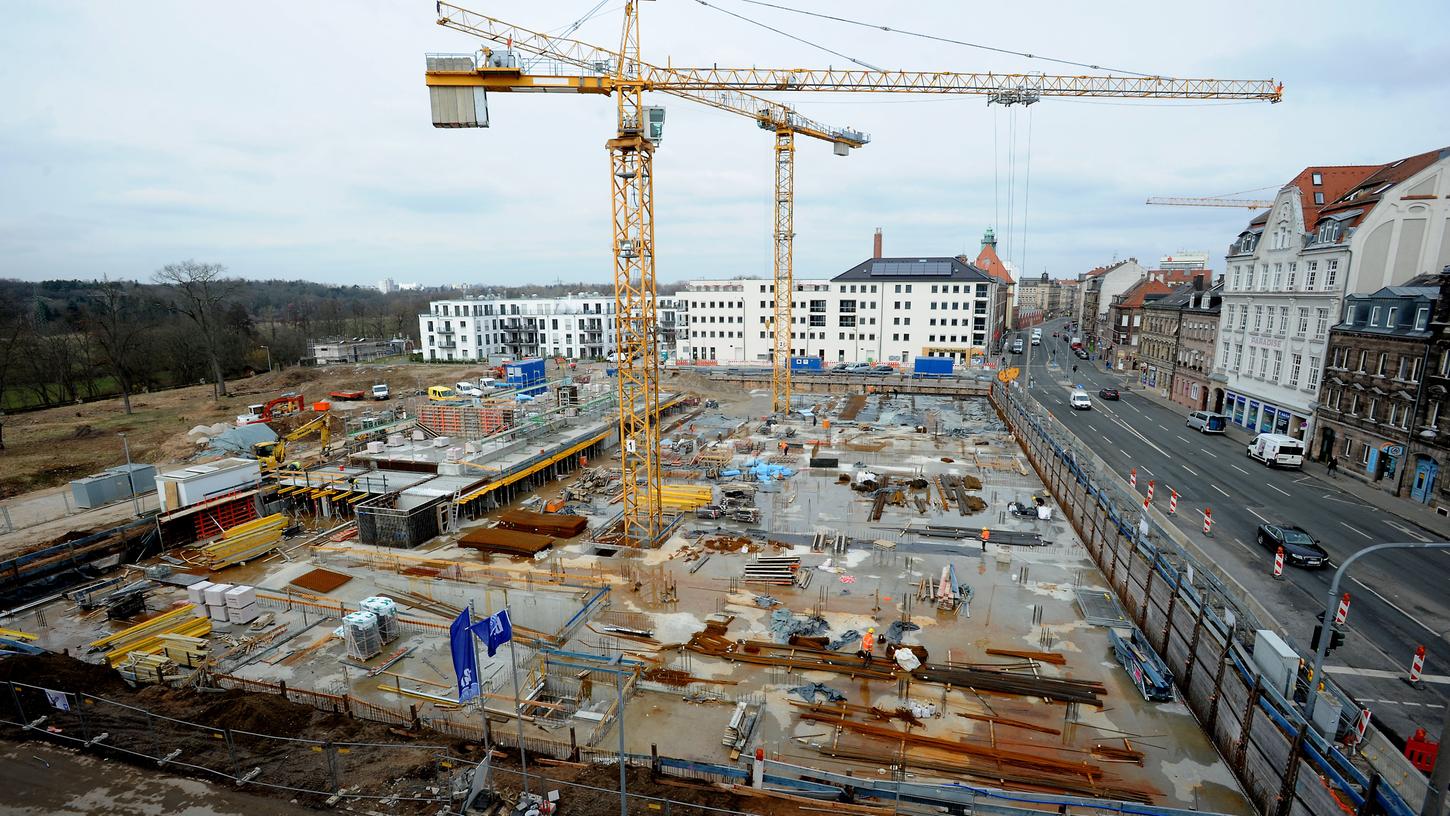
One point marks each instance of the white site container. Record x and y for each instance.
(199, 483)
(195, 592)
(240, 596)
(217, 613)
(216, 594)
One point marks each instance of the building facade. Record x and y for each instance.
(1373, 403)
(1197, 340)
(1330, 231)
(1097, 289)
(1158, 340)
(1123, 327)
(881, 310)
(486, 329)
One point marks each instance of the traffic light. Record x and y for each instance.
(1336, 638)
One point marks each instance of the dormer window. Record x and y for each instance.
(1328, 232)
(1318, 197)
(1316, 179)
(1422, 318)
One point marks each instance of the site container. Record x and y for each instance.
(805, 364)
(932, 367)
(526, 376)
(198, 483)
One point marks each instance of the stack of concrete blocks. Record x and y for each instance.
(225, 603)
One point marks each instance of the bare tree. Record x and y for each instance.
(115, 323)
(201, 293)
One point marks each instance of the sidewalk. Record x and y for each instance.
(1402, 508)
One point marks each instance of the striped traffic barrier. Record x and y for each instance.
(1133, 478)
(1208, 521)
(1343, 612)
(1172, 501)
(1279, 563)
(1150, 490)
(1361, 726)
(1417, 665)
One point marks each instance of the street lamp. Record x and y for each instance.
(1441, 774)
(269, 357)
(130, 476)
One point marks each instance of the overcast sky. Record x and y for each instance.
(293, 139)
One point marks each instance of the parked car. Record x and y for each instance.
(1080, 401)
(1108, 393)
(883, 369)
(857, 368)
(1081, 355)
(1299, 547)
(1207, 422)
(381, 392)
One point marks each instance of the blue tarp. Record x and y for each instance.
(240, 439)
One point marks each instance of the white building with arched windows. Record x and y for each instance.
(1332, 231)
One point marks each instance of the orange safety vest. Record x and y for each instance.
(868, 641)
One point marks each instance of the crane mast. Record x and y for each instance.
(571, 66)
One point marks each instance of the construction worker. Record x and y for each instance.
(868, 643)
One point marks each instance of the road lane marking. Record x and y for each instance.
(1341, 501)
(1189, 469)
(1185, 441)
(1145, 440)
(1209, 455)
(1123, 452)
(1383, 674)
(1239, 469)
(1245, 546)
(1164, 427)
(1221, 490)
(1271, 487)
(1145, 470)
(1407, 531)
(1357, 530)
(1256, 515)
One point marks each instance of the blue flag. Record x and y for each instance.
(495, 630)
(465, 662)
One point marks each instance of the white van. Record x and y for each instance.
(1080, 401)
(1277, 450)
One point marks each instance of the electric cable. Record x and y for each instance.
(788, 35)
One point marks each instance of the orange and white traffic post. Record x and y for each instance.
(1342, 613)
(1150, 489)
(1361, 726)
(1417, 665)
(1133, 478)
(1172, 501)
(1208, 521)
(1279, 563)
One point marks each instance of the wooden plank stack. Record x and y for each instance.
(244, 542)
(505, 541)
(146, 637)
(558, 525)
(683, 498)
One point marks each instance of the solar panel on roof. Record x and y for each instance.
(896, 269)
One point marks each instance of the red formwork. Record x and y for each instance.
(466, 421)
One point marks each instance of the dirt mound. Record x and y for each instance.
(971, 482)
(260, 714)
(62, 672)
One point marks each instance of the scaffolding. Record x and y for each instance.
(467, 421)
(389, 521)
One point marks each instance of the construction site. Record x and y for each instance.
(873, 586)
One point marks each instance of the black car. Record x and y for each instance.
(883, 369)
(1108, 393)
(1081, 355)
(1299, 547)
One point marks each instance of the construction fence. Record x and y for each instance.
(1191, 618)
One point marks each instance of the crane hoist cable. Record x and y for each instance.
(788, 35)
(948, 40)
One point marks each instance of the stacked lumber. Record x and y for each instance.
(146, 668)
(504, 541)
(244, 542)
(184, 650)
(779, 570)
(558, 525)
(146, 637)
(683, 498)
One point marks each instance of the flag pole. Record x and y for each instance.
(518, 713)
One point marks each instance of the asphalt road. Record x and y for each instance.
(1399, 599)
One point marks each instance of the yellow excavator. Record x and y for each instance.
(272, 455)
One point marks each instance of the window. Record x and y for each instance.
(1371, 413)
(1316, 179)
(1278, 275)
(1331, 272)
(1293, 273)
(1380, 369)
(1263, 276)
(1392, 316)
(1414, 370)
(1318, 197)
(1258, 318)
(1235, 285)
(1283, 320)
(1432, 418)
(1311, 273)
(1374, 315)
(1243, 317)
(1263, 364)
(1321, 323)
(1422, 318)
(1278, 364)
(1253, 357)
(1348, 446)
(1303, 322)
(1364, 454)
(1313, 372)
(1295, 363)
(1363, 355)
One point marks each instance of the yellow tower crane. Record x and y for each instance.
(458, 86)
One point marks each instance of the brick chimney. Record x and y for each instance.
(876, 244)
(1198, 283)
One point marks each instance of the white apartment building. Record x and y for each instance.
(483, 328)
(883, 309)
(1332, 231)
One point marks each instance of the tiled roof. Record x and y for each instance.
(1371, 189)
(1145, 288)
(988, 262)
